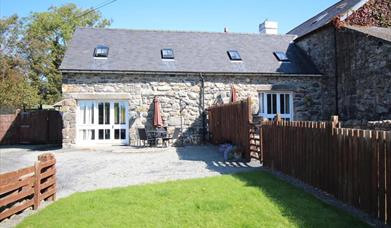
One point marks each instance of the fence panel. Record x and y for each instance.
(231, 123)
(31, 127)
(27, 187)
(352, 165)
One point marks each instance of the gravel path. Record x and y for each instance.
(81, 170)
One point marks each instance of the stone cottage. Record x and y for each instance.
(328, 65)
(110, 77)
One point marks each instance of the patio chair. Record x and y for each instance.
(142, 136)
(175, 135)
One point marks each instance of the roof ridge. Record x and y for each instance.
(186, 31)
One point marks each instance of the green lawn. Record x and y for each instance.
(254, 199)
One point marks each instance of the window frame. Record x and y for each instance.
(95, 54)
(170, 57)
(280, 58)
(263, 105)
(231, 57)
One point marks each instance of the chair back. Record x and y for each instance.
(177, 131)
(142, 134)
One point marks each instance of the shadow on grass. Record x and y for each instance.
(300, 207)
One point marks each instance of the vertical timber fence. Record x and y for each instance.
(27, 187)
(231, 123)
(353, 165)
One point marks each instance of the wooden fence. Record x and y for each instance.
(31, 127)
(351, 164)
(231, 123)
(27, 187)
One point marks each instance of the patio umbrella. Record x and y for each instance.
(157, 118)
(234, 94)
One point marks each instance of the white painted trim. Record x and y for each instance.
(95, 126)
(263, 103)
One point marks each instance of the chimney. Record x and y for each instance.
(225, 29)
(268, 27)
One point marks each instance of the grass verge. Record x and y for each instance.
(254, 199)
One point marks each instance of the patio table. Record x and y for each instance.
(155, 135)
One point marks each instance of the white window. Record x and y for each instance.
(271, 103)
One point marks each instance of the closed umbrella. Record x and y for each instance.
(157, 118)
(234, 94)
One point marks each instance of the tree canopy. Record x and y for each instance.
(32, 51)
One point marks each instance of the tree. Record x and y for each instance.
(15, 89)
(45, 40)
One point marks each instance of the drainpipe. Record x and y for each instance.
(336, 71)
(203, 114)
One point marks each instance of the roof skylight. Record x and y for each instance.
(281, 56)
(101, 51)
(319, 18)
(167, 53)
(234, 55)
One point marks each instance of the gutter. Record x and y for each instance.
(203, 113)
(249, 74)
(336, 71)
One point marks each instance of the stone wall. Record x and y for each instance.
(175, 91)
(319, 46)
(363, 68)
(364, 81)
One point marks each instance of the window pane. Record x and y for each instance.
(282, 104)
(100, 133)
(123, 114)
(107, 134)
(84, 114)
(261, 97)
(100, 112)
(92, 134)
(287, 104)
(274, 103)
(269, 103)
(116, 113)
(116, 134)
(91, 113)
(107, 113)
(123, 133)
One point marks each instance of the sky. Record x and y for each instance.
(188, 15)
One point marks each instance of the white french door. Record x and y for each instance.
(102, 122)
(271, 103)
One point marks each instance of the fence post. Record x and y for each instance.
(37, 183)
(277, 119)
(334, 122)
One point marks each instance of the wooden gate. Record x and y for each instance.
(231, 123)
(31, 127)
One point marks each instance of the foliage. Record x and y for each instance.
(32, 49)
(254, 199)
(46, 37)
(373, 13)
(15, 89)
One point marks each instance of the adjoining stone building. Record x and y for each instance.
(347, 45)
(109, 95)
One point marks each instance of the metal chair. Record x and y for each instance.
(175, 135)
(142, 136)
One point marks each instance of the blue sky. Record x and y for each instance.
(212, 15)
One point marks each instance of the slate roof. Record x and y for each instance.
(139, 50)
(342, 8)
(382, 33)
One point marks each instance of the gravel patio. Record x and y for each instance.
(86, 169)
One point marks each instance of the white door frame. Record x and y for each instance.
(84, 138)
(263, 105)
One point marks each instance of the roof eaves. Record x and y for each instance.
(192, 73)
